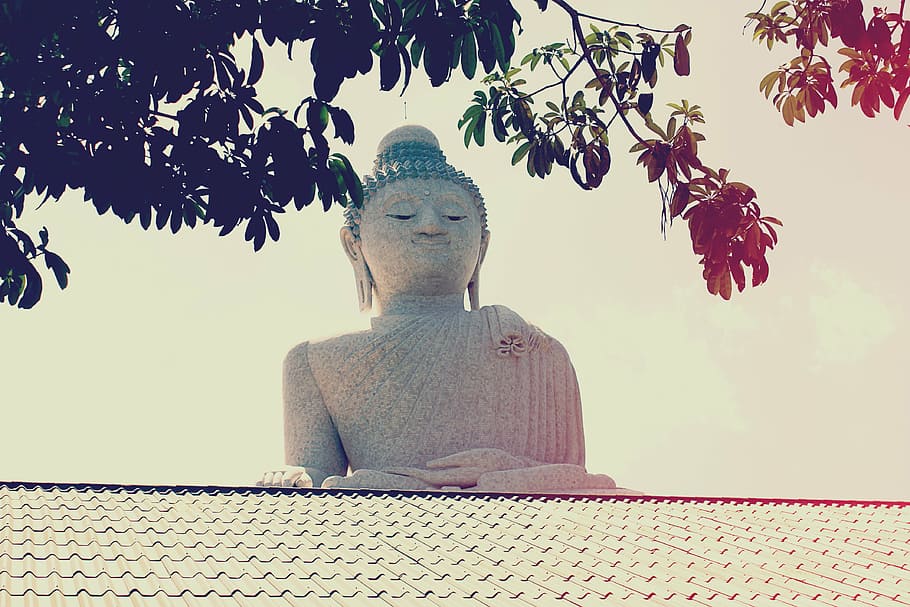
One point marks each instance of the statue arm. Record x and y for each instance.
(569, 419)
(311, 440)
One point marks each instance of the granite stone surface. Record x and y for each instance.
(432, 395)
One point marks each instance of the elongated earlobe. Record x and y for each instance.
(474, 284)
(362, 278)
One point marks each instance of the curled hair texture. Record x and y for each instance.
(411, 152)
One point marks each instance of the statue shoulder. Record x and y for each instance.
(333, 351)
(513, 335)
(297, 364)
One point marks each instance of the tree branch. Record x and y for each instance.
(623, 23)
(561, 80)
(574, 15)
(162, 114)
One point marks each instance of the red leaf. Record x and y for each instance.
(738, 274)
(696, 218)
(880, 36)
(900, 103)
(681, 56)
(903, 49)
(760, 273)
(754, 250)
(719, 282)
(680, 200)
(886, 94)
(655, 160)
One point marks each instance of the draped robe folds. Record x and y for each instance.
(419, 387)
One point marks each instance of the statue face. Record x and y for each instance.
(420, 237)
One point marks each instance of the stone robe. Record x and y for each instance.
(416, 388)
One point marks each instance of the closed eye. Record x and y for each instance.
(399, 217)
(456, 217)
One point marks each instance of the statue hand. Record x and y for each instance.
(290, 476)
(485, 458)
(463, 469)
(465, 476)
(546, 477)
(375, 479)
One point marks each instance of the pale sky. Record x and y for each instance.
(161, 362)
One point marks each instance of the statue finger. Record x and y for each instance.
(334, 482)
(267, 480)
(599, 481)
(303, 480)
(289, 478)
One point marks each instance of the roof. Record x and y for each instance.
(251, 546)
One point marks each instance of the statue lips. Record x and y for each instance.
(432, 242)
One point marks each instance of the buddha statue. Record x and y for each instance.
(432, 396)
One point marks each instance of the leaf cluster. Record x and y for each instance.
(877, 52)
(603, 78)
(144, 106)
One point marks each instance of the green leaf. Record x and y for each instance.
(416, 52)
(344, 126)
(470, 125)
(256, 64)
(317, 116)
(652, 126)
(645, 101)
(520, 152)
(499, 50)
(350, 179)
(778, 7)
(469, 56)
(480, 128)
(470, 113)
(56, 264)
(389, 67)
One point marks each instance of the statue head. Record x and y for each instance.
(422, 228)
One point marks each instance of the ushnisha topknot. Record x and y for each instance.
(411, 152)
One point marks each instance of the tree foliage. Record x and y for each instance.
(875, 56)
(606, 75)
(144, 107)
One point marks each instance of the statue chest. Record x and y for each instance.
(430, 387)
(408, 410)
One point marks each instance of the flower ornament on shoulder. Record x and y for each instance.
(512, 345)
(511, 335)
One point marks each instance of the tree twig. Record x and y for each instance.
(561, 80)
(623, 23)
(574, 15)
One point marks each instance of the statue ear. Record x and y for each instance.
(362, 278)
(474, 284)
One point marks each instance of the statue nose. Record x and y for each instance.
(430, 223)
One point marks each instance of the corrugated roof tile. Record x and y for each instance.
(248, 546)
